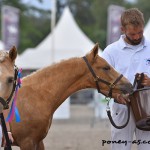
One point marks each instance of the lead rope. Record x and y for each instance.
(8, 142)
(110, 117)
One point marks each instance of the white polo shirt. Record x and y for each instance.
(128, 59)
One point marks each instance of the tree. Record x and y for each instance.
(91, 15)
(34, 23)
(144, 6)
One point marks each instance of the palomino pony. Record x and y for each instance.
(45, 90)
(7, 76)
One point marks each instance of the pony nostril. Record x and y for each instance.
(130, 88)
(10, 79)
(127, 89)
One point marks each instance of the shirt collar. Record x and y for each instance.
(123, 44)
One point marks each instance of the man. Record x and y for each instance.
(129, 56)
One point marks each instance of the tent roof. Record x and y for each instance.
(1, 45)
(66, 41)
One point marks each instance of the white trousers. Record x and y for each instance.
(122, 139)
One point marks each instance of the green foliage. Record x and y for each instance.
(144, 6)
(34, 24)
(91, 16)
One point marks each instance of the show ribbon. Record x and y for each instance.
(14, 110)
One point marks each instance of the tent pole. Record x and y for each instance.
(53, 21)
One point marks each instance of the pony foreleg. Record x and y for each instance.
(40, 146)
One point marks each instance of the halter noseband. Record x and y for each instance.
(98, 79)
(6, 102)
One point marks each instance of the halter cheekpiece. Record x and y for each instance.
(4, 102)
(97, 79)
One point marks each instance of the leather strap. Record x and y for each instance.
(8, 143)
(112, 121)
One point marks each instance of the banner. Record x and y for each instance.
(113, 23)
(10, 26)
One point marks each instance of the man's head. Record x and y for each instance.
(132, 25)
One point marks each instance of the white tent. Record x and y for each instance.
(1, 45)
(147, 30)
(66, 41)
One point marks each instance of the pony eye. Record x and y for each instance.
(106, 68)
(10, 79)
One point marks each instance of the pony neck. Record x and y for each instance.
(59, 81)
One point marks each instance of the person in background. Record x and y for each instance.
(129, 56)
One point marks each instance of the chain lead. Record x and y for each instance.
(108, 100)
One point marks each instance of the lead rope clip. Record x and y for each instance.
(108, 100)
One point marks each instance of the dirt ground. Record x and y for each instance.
(81, 132)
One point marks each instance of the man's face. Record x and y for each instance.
(134, 34)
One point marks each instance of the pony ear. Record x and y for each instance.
(93, 53)
(13, 53)
(95, 50)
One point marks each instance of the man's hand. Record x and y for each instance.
(10, 138)
(146, 81)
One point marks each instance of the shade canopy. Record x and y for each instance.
(67, 40)
(147, 30)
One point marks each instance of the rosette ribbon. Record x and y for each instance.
(14, 110)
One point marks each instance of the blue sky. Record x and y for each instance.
(45, 5)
